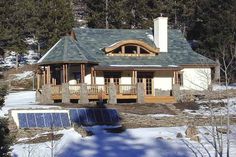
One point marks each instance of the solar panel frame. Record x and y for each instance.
(94, 116)
(43, 120)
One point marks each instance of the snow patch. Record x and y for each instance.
(24, 75)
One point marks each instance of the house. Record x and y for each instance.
(142, 65)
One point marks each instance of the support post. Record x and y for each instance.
(176, 91)
(46, 94)
(38, 81)
(82, 71)
(65, 93)
(48, 75)
(140, 93)
(83, 94)
(112, 94)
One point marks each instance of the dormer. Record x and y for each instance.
(131, 48)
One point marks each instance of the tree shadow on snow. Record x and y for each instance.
(122, 145)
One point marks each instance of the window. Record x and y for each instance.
(131, 48)
(147, 79)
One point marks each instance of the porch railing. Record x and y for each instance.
(56, 89)
(126, 89)
(123, 89)
(97, 89)
(74, 89)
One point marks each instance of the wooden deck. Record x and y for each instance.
(124, 92)
(159, 99)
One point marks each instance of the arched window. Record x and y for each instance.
(131, 48)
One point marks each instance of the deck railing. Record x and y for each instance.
(74, 89)
(123, 89)
(126, 89)
(97, 89)
(56, 89)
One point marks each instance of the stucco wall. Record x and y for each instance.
(163, 80)
(196, 78)
(126, 77)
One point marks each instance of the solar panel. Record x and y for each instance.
(31, 119)
(91, 116)
(42, 120)
(65, 119)
(23, 120)
(39, 119)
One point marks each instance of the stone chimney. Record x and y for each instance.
(161, 33)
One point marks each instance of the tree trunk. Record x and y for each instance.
(217, 71)
(17, 60)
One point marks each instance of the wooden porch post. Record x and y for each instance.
(65, 73)
(48, 75)
(134, 77)
(44, 76)
(38, 80)
(82, 72)
(93, 76)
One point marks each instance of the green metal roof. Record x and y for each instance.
(90, 43)
(67, 50)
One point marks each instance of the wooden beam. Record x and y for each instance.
(82, 72)
(95, 75)
(138, 49)
(44, 77)
(38, 81)
(92, 75)
(48, 75)
(63, 73)
(66, 73)
(122, 49)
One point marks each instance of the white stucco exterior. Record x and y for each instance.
(125, 80)
(100, 80)
(193, 79)
(196, 78)
(163, 80)
(87, 79)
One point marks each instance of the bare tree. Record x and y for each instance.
(227, 61)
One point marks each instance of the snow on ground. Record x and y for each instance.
(204, 110)
(222, 87)
(160, 115)
(24, 75)
(140, 142)
(20, 100)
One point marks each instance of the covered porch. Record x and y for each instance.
(87, 82)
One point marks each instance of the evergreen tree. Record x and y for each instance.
(5, 138)
(44, 20)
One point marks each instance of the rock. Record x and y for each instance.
(195, 138)
(223, 130)
(159, 138)
(191, 131)
(207, 133)
(179, 135)
(82, 131)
